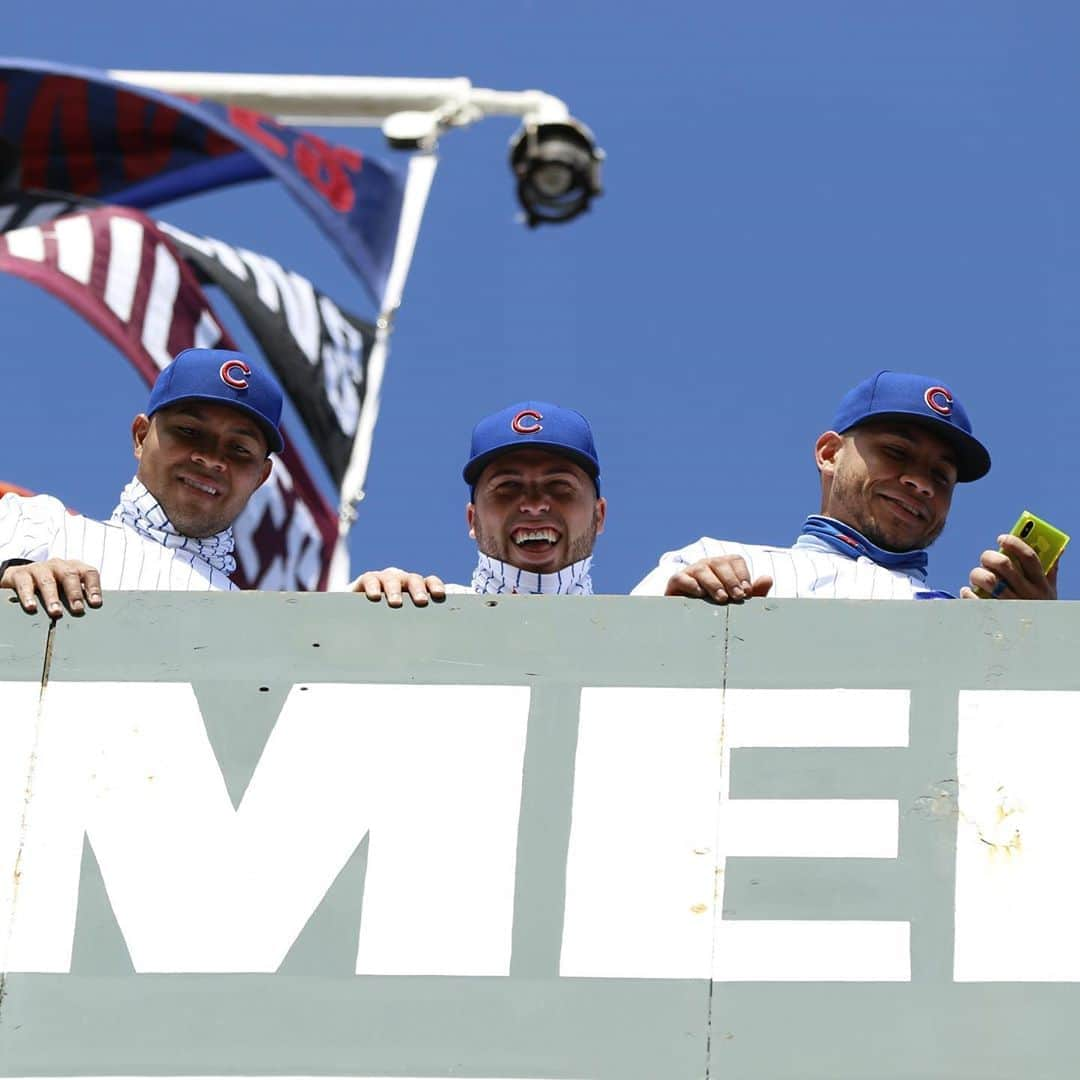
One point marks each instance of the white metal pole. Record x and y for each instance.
(351, 100)
(417, 186)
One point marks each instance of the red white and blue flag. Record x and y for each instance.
(79, 131)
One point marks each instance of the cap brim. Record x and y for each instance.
(972, 458)
(475, 466)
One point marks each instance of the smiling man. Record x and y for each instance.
(897, 447)
(534, 509)
(202, 448)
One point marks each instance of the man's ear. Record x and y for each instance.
(826, 449)
(470, 515)
(268, 467)
(140, 427)
(601, 514)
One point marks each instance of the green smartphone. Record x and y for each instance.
(1046, 541)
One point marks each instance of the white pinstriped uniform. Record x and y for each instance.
(493, 577)
(800, 571)
(39, 528)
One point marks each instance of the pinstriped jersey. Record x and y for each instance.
(39, 528)
(494, 577)
(796, 572)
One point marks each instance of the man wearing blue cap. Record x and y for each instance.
(203, 448)
(898, 446)
(534, 508)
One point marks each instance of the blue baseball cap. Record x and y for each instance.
(227, 377)
(905, 396)
(532, 423)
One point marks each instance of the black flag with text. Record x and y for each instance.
(318, 351)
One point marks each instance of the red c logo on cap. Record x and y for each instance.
(520, 422)
(939, 399)
(237, 382)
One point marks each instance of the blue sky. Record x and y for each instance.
(797, 194)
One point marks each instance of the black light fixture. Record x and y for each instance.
(557, 165)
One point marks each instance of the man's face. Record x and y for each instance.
(891, 480)
(202, 461)
(536, 510)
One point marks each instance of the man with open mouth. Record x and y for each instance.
(534, 509)
(203, 448)
(897, 447)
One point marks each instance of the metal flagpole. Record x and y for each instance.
(417, 186)
(418, 180)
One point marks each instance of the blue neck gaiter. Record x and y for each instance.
(836, 536)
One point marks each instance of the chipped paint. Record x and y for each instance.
(996, 818)
(938, 803)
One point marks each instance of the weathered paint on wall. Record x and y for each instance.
(271, 835)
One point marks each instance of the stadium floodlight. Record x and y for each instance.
(554, 158)
(557, 166)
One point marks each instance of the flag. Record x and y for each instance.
(318, 351)
(123, 275)
(22, 208)
(79, 131)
